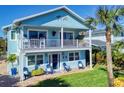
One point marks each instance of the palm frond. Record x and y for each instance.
(117, 28)
(92, 22)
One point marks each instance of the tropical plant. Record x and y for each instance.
(12, 58)
(37, 72)
(95, 51)
(117, 54)
(110, 18)
(3, 45)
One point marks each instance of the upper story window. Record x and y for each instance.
(33, 34)
(68, 35)
(37, 34)
(13, 35)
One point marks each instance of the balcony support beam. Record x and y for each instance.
(90, 45)
(61, 37)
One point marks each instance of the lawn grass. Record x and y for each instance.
(92, 78)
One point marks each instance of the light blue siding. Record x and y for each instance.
(64, 59)
(73, 64)
(52, 20)
(12, 44)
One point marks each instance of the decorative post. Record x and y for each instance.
(62, 19)
(61, 37)
(44, 42)
(77, 43)
(21, 56)
(90, 46)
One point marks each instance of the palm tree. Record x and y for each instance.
(110, 18)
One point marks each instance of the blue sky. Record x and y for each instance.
(10, 12)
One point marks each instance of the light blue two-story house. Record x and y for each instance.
(50, 37)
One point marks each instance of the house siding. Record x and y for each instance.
(63, 59)
(12, 44)
(51, 20)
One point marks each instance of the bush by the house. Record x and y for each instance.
(118, 54)
(119, 82)
(37, 72)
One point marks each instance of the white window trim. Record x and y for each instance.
(35, 59)
(42, 30)
(11, 36)
(74, 55)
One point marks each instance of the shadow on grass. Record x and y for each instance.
(55, 82)
(115, 73)
(103, 69)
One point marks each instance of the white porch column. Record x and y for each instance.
(21, 60)
(90, 45)
(61, 37)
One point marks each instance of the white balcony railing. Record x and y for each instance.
(52, 43)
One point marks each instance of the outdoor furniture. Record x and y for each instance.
(26, 73)
(66, 67)
(80, 65)
(14, 71)
(49, 69)
(36, 67)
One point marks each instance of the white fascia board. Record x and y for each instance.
(55, 50)
(6, 26)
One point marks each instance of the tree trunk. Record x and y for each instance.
(109, 58)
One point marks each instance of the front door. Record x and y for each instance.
(55, 61)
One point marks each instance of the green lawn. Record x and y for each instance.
(93, 78)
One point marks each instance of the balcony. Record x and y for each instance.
(31, 44)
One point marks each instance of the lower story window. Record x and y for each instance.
(73, 56)
(35, 60)
(76, 55)
(39, 59)
(31, 60)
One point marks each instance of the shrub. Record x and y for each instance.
(119, 82)
(37, 72)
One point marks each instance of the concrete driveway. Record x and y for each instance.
(5, 79)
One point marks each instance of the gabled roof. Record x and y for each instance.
(6, 27)
(46, 12)
(49, 11)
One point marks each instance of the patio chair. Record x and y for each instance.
(80, 65)
(49, 69)
(36, 67)
(26, 73)
(66, 67)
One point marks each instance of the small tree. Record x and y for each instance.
(12, 58)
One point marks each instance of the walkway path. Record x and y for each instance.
(36, 79)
